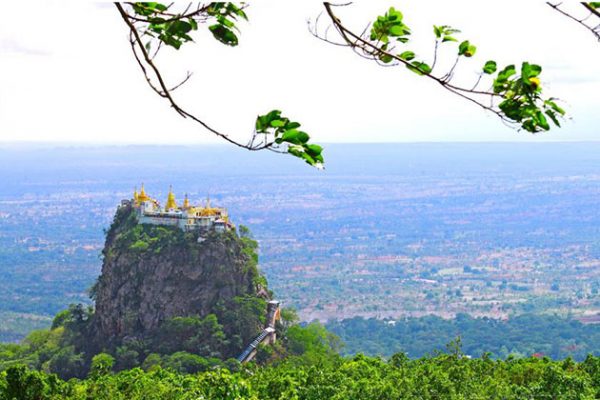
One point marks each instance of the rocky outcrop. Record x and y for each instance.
(151, 274)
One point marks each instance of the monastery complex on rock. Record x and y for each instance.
(187, 217)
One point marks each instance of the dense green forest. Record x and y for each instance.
(520, 336)
(323, 375)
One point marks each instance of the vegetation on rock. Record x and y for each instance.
(163, 298)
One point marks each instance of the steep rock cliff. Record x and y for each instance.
(151, 274)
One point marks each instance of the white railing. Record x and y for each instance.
(252, 346)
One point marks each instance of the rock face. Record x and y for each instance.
(151, 274)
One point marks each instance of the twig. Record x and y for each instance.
(592, 11)
(163, 91)
(373, 51)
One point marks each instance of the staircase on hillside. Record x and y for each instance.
(267, 335)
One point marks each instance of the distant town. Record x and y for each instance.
(421, 231)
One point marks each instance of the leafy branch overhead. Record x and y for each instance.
(587, 14)
(513, 94)
(286, 132)
(154, 25)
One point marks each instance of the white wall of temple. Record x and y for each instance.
(148, 213)
(181, 223)
(148, 206)
(145, 219)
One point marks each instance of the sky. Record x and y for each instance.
(67, 75)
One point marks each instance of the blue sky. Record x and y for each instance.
(68, 76)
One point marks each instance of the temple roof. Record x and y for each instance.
(142, 196)
(171, 203)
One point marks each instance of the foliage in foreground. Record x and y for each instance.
(446, 376)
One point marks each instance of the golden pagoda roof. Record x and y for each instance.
(171, 203)
(207, 210)
(204, 212)
(142, 196)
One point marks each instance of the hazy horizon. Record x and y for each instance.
(70, 143)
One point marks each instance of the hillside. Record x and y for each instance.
(184, 300)
(152, 274)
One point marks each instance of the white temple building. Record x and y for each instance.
(187, 217)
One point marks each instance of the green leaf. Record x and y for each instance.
(273, 114)
(147, 9)
(466, 49)
(419, 68)
(224, 21)
(284, 132)
(224, 34)
(238, 11)
(554, 106)
(490, 67)
(529, 125)
(397, 30)
(295, 136)
(300, 152)
(314, 149)
(530, 70)
(446, 32)
(407, 55)
(389, 25)
(170, 40)
(449, 39)
(157, 6)
(179, 27)
(394, 15)
(471, 51)
(542, 121)
(385, 58)
(506, 73)
(263, 122)
(552, 116)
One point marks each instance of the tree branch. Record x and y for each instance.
(516, 101)
(592, 12)
(162, 90)
(355, 41)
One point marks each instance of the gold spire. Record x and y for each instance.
(143, 196)
(186, 202)
(207, 210)
(135, 195)
(171, 204)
